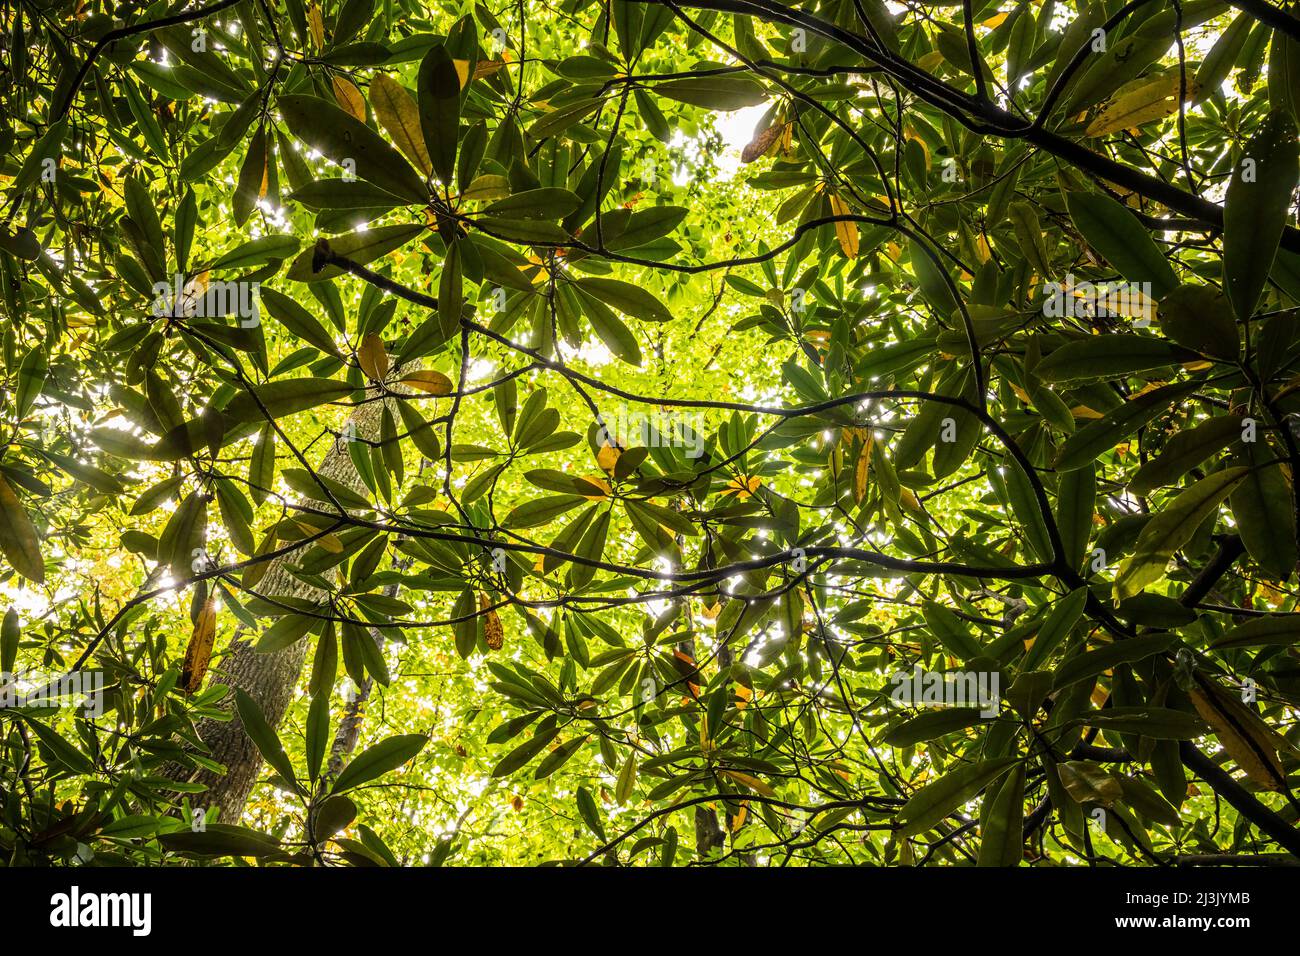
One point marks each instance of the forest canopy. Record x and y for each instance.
(688, 432)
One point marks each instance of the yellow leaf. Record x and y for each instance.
(484, 68)
(860, 472)
(607, 457)
(845, 231)
(199, 651)
(743, 486)
(398, 114)
(372, 358)
(599, 488)
(930, 61)
(1140, 101)
(787, 140)
(427, 380)
(911, 133)
(485, 187)
(1243, 733)
(317, 26)
(349, 97)
(758, 786)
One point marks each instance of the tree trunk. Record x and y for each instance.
(269, 679)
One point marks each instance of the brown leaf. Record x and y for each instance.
(493, 632)
(762, 143)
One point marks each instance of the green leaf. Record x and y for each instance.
(1075, 504)
(1054, 629)
(542, 510)
(1160, 723)
(1091, 663)
(628, 298)
(31, 380)
(558, 757)
(525, 751)
(220, 839)
(1122, 240)
(1184, 451)
(284, 397)
(359, 247)
(1263, 507)
(934, 723)
(18, 539)
(318, 734)
(60, 749)
(263, 735)
(1002, 837)
(1257, 208)
(10, 634)
(1110, 355)
(343, 138)
(299, 321)
(1199, 317)
(611, 330)
(933, 281)
(253, 173)
(343, 194)
(936, 800)
(256, 252)
(376, 761)
(950, 631)
(1171, 528)
(723, 93)
(545, 203)
(590, 814)
(1272, 630)
(335, 814)
(285, 632)
(1098, 437)
(438, 94)
(647, 225)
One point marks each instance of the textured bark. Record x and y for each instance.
(349, 730)
(708, 833)
(269, 679)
